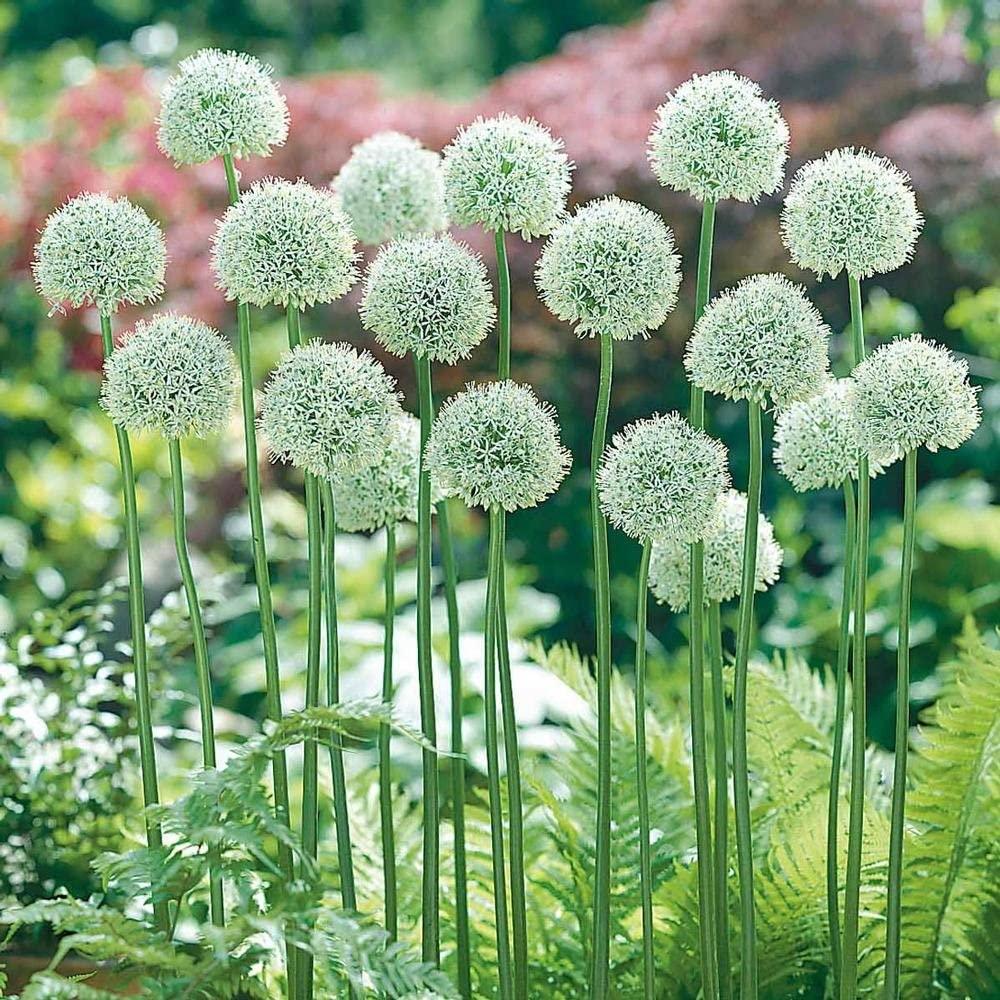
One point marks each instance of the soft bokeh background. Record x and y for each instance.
(78, 97)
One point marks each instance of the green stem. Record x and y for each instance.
(741, 781)
(200, 650)
(645, 854)
(430, 918)
(702, 292)
(837, 761)
(600, 951)
(895, 887)
(385, 740)
(137, 619)
(503, 324)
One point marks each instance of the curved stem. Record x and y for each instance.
(137, 620)
(503, 321)
(895, 887)
(741, 781)
(720, 841)
(645, 853)
(385, 740)
(600, 951)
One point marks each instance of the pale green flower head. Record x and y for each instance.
(391, 187)
(328, 409)
(220, 103)
(173, 375)
(718, 137)
(670, 560)
(913, 393)
(761, 339)
(662, 478)
(611, 269)
(850, 211)
(496, 445)
(430, 296)
(102, 252)
(284, 244)
(507, 175)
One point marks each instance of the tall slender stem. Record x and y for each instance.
(503, 321)
(895, 887)
(837, 761)
(600, 951)
(385, 741)
(341, 814)
(741, 781)
(430, 919)
(137, 620)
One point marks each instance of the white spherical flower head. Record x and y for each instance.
(670, 560)
(761, 339)
(173, 375)
(850, 211)
(430, 296)
(284, 244)
(391, 187)
(662, 477)
(328, 409)
(496, 445)
(611, 269)
(508, 175)
(718, 137)
(100, 251)
(220, 103)
(911, 394)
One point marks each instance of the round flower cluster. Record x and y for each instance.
(429, 295)
(100, 251)
(496, 445)
(762, 338)
(220, 103)
(385, 492)
(850, 211)
(328, 409)
(670, 560)
(285, 244)
(173, 375)
(611, 269)
(718, 137)
(390, 187)
(914, 393)
(662, 477)
(508, 175)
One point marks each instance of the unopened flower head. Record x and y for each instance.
(718, 137)
(662, 477)
(328, 409)
(763, 338)
(430, 296)
(283, 244)
(391, 187)
(221, 103)
(508, 175)
(100, 251)
(850, 211)
(913, 393)
(611, 269)
(496, 445)
(173, 375)
(670, 561)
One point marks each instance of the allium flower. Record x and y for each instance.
(611, 269)
(506, 174)
(662, 477)
(762, 338)
(670, 561)
(391, 187)
(172, 374)
(850, 211)
(914, 393)
(718, 137)
(497, 445)
(219, 103)
(285, 244)
(102, 252)
(328, 409)
(429, 295)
